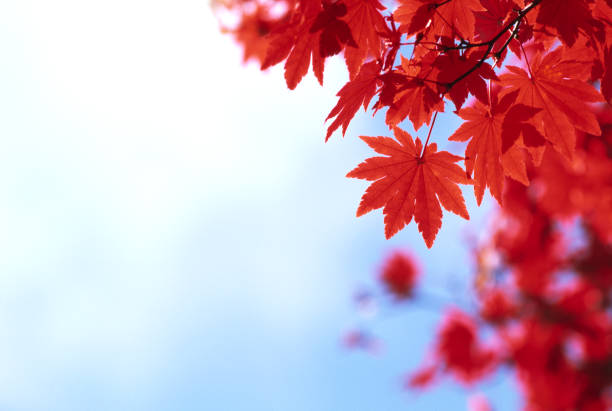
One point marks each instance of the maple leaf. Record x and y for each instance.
(514, 163)
(417, 100)
(454, 65)
(563, 101)
(354, 94)
(524, 34)
(298, 61)
(449, 18)
(490, 22)
(252, 33)
(413, 15)
(567, 17)
(410, 182)
(391, 81)
(516, 123)
(297, 44)
(414, 98)
(366, 23)
(483, 155)
(334, 32)
(456, 18)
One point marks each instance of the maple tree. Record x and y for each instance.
(532, 82)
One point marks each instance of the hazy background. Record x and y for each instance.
(175, 234)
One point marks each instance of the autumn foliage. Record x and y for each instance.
(418, 58)
(543, 286)
(532, 82)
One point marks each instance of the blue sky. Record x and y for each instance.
(175, 234)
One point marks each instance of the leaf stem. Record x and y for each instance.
(429, 134)
(527, 61)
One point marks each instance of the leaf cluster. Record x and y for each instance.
(523, 75)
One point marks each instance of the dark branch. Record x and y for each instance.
(491, 43)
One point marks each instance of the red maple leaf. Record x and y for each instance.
(456, 18)
(353, 95)
(391, 81)
(366, 24)
(415, 97)
(489, 23)
(493, 19)
(453, 75)
(413, 15)
(313, 32)
(516, 123)
(483, 155)
(297, 44)
(417, 100)
(563, 101)
(568, 17)
(252, 33)
(411, 182)
(448, 18)
(335, 33)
